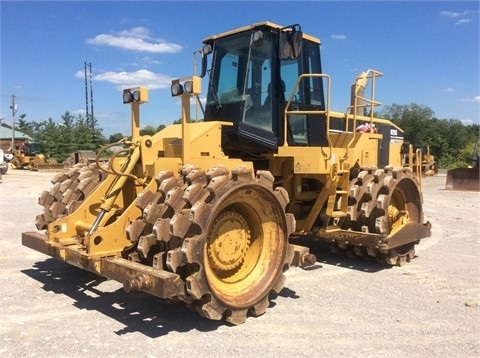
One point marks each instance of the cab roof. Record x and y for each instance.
(258, 24)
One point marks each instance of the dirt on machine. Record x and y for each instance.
(211, 212)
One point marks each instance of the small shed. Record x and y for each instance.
(20, 139)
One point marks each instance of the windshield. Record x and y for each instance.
(240, 81)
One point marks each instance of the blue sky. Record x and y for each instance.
(428, 52)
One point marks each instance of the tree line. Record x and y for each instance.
(451, 142)
(74, 132)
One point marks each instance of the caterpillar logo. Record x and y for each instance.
(393, 132)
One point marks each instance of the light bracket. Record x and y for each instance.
(135, 95)
(191, 86)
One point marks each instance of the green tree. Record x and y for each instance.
(83, 134)
(414, 119)
(450, 141)
(114, 138)
(67, 142)
(59, 140)
(148, 130)
(24, 126)
(97, 137)
(48, 136)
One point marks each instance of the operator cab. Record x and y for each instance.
(253, 73)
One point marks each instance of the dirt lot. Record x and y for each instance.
(430, 307)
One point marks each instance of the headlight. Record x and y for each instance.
(188, 86)
(176, 89)
(127, 96)
(135, 95)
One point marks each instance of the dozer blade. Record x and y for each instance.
(463, 179)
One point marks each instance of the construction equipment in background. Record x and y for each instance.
(84, 157)
(465, 178)
(31, 158)
(211, 212)
(429, 167)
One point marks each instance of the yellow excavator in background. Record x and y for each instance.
(211, 212)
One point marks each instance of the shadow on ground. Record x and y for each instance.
(138, 311)
(147, 314)
(325, 257)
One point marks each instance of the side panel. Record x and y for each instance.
(389, 147)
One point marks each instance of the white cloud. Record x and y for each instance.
(455, 14)
(338, 37)
(150, 60)
(463, 17)
(136, 39)
(463, 21)
(475, 99)
(132, 79)
(448, 90)
(137, 32)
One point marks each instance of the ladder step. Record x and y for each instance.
(338, 214)
(332, 228)
(342, 192)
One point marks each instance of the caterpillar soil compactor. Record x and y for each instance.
(209, 212)
(429, 164)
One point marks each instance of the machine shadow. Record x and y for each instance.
(149, 315)
(138, 311)
(325, 257)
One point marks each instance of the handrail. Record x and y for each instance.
(418, 167)
(359, 101)
(326, 111)
(361, 82)
(365, 77)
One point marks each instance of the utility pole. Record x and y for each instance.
(86, 90)
(87, 114)
(91, 92)
(14, 110)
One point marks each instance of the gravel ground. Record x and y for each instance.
(430, 307)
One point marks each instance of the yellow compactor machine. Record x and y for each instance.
(31, 158)
(209, 212)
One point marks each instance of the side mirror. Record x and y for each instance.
(290, 42)
(207, 49)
